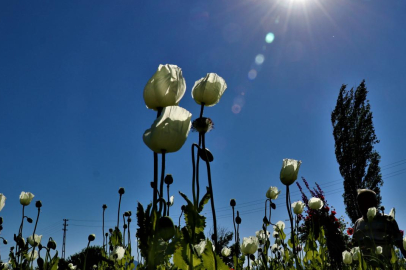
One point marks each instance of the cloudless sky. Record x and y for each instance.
(72, 114)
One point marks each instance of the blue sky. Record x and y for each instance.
(72, 114)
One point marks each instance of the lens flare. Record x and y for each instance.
(252, 74)
(269, 38)
(259, 59)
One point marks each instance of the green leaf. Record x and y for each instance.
(204, 200)
(116, 238)
(210, 258)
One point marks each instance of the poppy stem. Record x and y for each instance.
(161, 189)
(118, 213)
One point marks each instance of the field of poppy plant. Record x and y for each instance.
(317, 237)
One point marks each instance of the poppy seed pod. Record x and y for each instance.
(129, 220)
(1, 220)
(4, 241)
(168, 179)
(183, 207)
(91, 237)
(29, 220)
(126, 214)
(111, 230)
(202, 125)
(121, 191)
(125, 226)
(38, 204)
(104, 206)
(238, 220)
(233, 203)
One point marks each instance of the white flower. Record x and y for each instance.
(261, 235)
(200, 247)
(5, 265)
(274, 247)
(117, 253)
(171, 200)
(275, 234)
(279, 226)
(34, 241)
(31, 256)
(165, 88)
(378, 250)
(355, 252)
(289, 171)
(226, 251)
(371, 213)
(273, 193)
(208, 90)
(249, 245)
(298, 207)
(404, 242)
(392, 213)
(94, 266)
(347, 258)
(71, 266)
(315, 203)
(2, 201)
(169, 131)
(26, 198)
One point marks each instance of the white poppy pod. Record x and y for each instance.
(165, 88)
(208, 90)
(347, 258)
(34, 241)
(315, 203)
(26, 198)
(2, 201)
(289, 171)
(298, 207)
(249, 245)
(169, 131)
(378, 250)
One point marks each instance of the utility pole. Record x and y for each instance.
(64, 237)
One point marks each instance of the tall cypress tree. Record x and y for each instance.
(354, 136)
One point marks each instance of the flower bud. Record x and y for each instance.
(104, 206)
(29, 220)
(252, 257)
(1, 220)
(40, 246)
(273, 193)
(168, 179)
(233, 203)
(289, 171)
(4, 241)
(183, 207)
(238, 220)
(166, 228)
(51, 244)
(129, 220)
(38, 204)
(92, 237)
(126, 214)
(121, 191)
(125, 226)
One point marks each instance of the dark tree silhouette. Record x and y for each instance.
(94, 256)
(354, 136)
